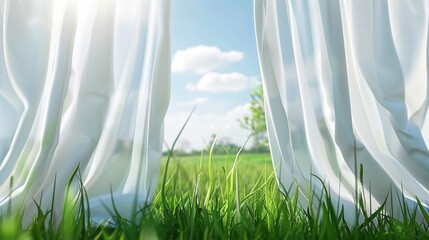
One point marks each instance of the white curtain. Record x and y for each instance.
(346, 85)
(82, 83)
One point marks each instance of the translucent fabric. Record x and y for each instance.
(346, 86)
(82, 84)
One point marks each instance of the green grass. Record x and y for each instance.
(230, 196)
(219, 197)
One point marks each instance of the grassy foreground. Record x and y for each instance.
(220, 197)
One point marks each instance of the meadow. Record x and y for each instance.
(228, 196)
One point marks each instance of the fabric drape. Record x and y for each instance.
(82, 84)
(346, 87)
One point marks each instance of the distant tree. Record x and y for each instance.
(256, 120)
(222, 145)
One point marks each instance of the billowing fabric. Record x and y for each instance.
(82, 84)
(346, 86)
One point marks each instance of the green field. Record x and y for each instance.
(210, 197)
(220, 197)
(249, 166)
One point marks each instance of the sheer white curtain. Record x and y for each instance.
(82, 82)
(346, 85)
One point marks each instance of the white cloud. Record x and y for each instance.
(222, 82)
(239, 111)
(201, 126)
(202, 59)
(197, 101)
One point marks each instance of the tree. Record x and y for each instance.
(256, 120)
(222, 145)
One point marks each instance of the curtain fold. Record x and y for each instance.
(82, 84)
(346, 86)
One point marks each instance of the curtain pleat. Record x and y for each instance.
(83, 84)
(347, 96)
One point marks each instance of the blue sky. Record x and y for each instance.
(214, 63)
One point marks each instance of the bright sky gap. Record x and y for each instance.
(214, 65)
